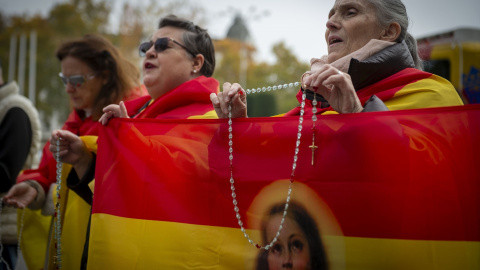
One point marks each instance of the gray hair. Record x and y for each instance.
(390, 11)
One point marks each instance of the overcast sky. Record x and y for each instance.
(300, 23)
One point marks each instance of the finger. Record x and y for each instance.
(241, 93)
(103, 119)
(318, 80)
(216, 105)
(223, 103)
(13, 203)
(63, 136)
(123, 110)
(110, 107)
(20, 205)
(226, 89)
(214, 100)
(63, 152)
(55, 136)
(336, 78)
(234, 89)
(9, 202)
(304, 79)
(239, 98)
(106, 117)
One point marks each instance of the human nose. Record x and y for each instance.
(287, 262)
(150, 52)
(332, 23)
(69, 88)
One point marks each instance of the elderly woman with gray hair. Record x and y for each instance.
(372, 64)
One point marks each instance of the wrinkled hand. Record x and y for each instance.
(72, 149)
(336, 87)
(113, 111)
(233, 93)
(20, 195)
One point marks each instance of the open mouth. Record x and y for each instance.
(333, 40)
(149, 66)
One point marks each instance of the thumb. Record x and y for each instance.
(123, 110)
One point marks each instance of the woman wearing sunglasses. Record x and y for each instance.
(177, 68)
(94, 75)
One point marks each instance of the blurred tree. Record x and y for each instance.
(75, 18)
(64, 21)
(95, 14)
(130, 32)
(228, 58)
(286, 69)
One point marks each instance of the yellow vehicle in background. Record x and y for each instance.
(455, 55)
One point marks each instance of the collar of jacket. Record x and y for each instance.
(381, 65)
(377, 67)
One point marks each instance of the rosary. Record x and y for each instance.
(57, 258)
(2, 260)
(295, 158)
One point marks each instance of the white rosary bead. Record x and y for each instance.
(270, 88)
(294, 165)
(58, 218)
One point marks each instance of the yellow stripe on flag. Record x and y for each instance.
(374, 253)
(168, 245)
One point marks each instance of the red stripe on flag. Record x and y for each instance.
(404, 174)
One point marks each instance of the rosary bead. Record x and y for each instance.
(294, 165)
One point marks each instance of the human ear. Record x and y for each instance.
(198, 61)
(392, 32)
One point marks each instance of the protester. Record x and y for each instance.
(372, 62)
(20, 135)
(177, 77)
(299, 245)
(177, 69)
(95, 75)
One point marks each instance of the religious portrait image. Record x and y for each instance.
(310, 237)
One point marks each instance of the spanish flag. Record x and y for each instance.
(383, 190)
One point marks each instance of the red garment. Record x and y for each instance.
(189, 99)
(384, 89)
(45, 175)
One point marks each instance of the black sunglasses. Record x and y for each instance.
(75, 80)
(161, 45)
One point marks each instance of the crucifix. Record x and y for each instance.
(313, 146)
(314, 129)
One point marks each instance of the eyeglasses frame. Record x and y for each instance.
(169, 39)
(68, 79)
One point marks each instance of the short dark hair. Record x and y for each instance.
(196, 39)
